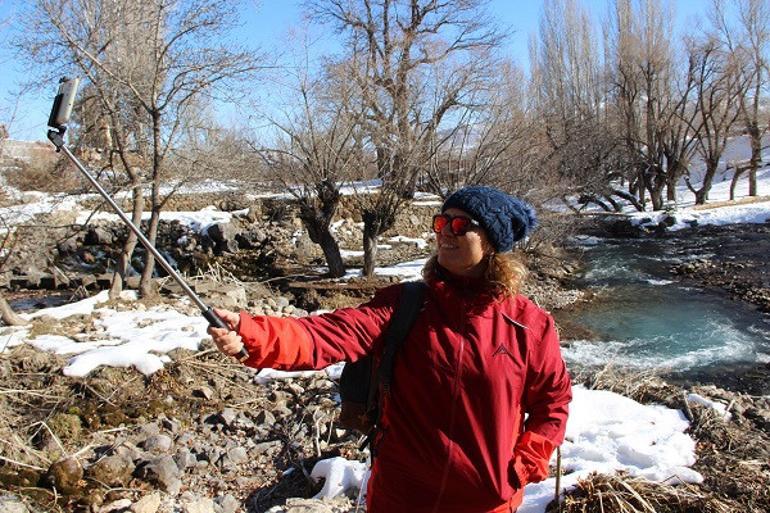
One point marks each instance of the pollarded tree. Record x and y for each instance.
(314, 153)
(413, 62)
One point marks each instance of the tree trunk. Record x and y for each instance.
(756, 158)
(702, 194)
(8, 316)
(370, 251)
(332, 255)
(124, 259)
(317, 225)
(146, 285)
(734, 182)
(671, 187)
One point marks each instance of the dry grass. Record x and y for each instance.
(600, 493)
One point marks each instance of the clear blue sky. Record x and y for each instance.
(270, 24)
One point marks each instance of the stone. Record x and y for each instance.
(171, 425)
(235, 456)
(150, 429)
(203, 391)
(66, 475)
(158, 444)
(118, 505)
(11, 504)
(185, 459)
(112, 471)
(198, 505)
(128, 451)
(163, 473)
(226, 504)
(228, 416)
(263, 447)
(147, 504)
(265, 417)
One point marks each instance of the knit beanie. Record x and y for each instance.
(505, 219)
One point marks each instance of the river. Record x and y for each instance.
(641, 318)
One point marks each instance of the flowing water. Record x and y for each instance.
(644, 320)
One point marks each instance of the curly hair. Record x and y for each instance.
(505, 272)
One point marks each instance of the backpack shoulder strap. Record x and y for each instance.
(410, 304)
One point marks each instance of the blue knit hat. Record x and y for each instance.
(505, 219)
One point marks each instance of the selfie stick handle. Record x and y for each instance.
(214, 320)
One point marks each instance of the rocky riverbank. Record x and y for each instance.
(736, 260)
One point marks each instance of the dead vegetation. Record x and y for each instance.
(733, 455)
(623, 494)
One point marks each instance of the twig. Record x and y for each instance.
(14, 462)
(198, 354)
(34, 393)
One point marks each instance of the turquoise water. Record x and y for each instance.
(643, 319)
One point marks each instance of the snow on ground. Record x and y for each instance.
(407, 271)
(200, 220)
(606, 432)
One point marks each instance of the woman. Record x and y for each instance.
(480, 356)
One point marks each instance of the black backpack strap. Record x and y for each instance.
(404, 315)
(409, 307)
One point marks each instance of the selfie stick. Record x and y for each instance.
(60, 113)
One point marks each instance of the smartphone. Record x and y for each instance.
(63, 102)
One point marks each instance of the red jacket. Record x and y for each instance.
(453, 435)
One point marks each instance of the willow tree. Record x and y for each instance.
(413, 63)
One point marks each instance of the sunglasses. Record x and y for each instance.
(458, 225)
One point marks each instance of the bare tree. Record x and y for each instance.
(315, 153)
(719, 82)
(487, 143)
(413, 62)
(748, 42)
(570, 92)
(652, 98)
(149, 62)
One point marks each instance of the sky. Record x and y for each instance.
(269, 25)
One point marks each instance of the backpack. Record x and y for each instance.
(361, 384)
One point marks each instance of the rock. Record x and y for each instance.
(66, 475)
(158, 444)
(263, 447)
(150, 429)
(98, 235)
(228, 416)
(11, 504)
(163, 473)
(203, 391)
(114, 506)
(185, 459)
(128, 451)
(235, 456)
(171, 425)
(265, 417)
(226, 504)
(336, 505)
(112, 471)
(147, 504)
(196, 504)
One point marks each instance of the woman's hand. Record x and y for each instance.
(227, 341)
